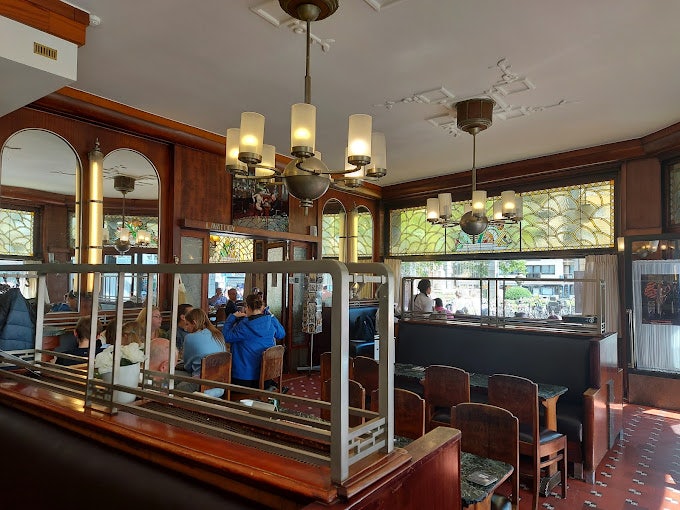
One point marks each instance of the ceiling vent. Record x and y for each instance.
(33, 64)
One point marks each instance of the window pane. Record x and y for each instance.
(16, 232)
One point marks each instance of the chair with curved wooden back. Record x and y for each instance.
(272, 366)
(220, 314)
(357, 398)
(367, 373)
(491, 432)
(520, 396)
(325, 366)
(216, 367)
(409, 412)
(443, 388)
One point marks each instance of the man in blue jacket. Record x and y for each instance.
(250, 333)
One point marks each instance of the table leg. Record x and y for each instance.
(550, 405)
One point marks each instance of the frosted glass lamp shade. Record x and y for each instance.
(497, 210)
(508, 200)
(359, 139)
(124, 234)
(432, 209)
(268, 156)
(233, 165)
(444, 205)
(378, 165)
(302, 130)
(479, 203)
(251, 138)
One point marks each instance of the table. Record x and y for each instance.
(475, 496)
(405, 374)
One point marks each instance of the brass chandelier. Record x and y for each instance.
(306, 176)
(473, 116)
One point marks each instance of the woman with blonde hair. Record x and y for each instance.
(156, 321)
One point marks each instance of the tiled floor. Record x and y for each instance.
(639, 473)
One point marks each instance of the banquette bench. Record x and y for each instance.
(589, 413)
(362, 330)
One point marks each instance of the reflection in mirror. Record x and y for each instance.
(364, 243)
(655, 249)
(333, 230)
(39, 171)
(131, 224)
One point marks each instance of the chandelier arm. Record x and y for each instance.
(299, 167)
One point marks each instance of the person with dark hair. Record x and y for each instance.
(250, 332)
(70, 303)
(423, 302)
(82, 332)
(439, 308)
(232, 302)
(182, 311)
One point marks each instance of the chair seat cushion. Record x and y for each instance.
(499, 502)
(442, 414)
(546, 435)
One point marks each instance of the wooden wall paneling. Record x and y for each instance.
(202, 186)
(52, 16)
(641, 197)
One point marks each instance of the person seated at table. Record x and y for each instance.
(423, 302)
(232, 303)
(133, 332)
(218, 299)
(70, 303)
(203, 339)
(159, 355)
(156, 321)
(182, 311)
(439, 308)
(250, 332)
(82, 332)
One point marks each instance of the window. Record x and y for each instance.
(17, 232)
(570, 217)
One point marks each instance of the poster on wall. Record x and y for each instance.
(311, 311)
(660, 299)
(259, 204)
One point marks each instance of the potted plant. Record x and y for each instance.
(128, 373)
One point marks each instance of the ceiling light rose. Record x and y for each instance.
(473, 116)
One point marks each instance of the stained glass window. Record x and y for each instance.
(674, 196)
(331, 228)
(17, 229)
(230, 249)
(365, 235)
(565, 218)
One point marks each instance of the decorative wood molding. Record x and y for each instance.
(541, 169)
(77, 104)
(209, 226)
(52, 16)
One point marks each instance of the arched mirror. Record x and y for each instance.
(364, 233)
(39, 171)
(131, 213)
(333, 231)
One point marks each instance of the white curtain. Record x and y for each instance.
(395, 266)
(657, 342)
(603, 267)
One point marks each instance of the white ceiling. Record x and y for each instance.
(565, 75)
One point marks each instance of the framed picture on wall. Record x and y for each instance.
(260, 205)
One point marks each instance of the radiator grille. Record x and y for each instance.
(45, 51)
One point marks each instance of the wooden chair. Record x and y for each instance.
(220, 314)
(325, 366)
(409, 412)
(357, 398)
(520, 396)
(216, 367)
(443, 388)
(367, 373)
(272, 366)
(491, 432)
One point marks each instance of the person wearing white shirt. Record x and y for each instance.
(423, 302)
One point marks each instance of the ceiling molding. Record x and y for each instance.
(382, 4)
(272, 13)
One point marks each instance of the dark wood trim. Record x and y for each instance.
(81, 105)
(581, 162)
(52, 16)
(664, 142)
(273, 235)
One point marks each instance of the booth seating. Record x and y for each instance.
(362, 331)
(589, 413)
